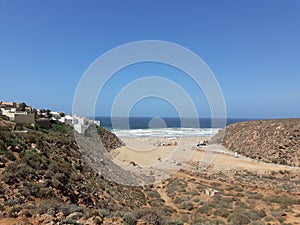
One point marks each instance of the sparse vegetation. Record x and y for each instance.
(59, 127)
(43, 173)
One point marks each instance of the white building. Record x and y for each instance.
(81, 124)
(18, 116)
(55, 115)
(97, 122)
(81, 128)
(69, 120)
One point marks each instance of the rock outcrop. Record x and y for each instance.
(276, 141)
(110, 140)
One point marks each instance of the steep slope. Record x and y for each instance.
(109, 139)
(276, 141)
(43, 172)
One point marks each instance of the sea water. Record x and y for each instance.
(165, 127)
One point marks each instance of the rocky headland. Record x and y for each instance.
(274, 141)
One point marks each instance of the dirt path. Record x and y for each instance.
(223, 160)
(168, 201)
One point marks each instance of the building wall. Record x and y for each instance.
(78, 128)
(24, 118)
(9, 114)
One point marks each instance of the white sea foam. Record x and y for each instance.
(166, 132)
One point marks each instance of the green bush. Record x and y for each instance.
(175, 222)
(70, 221)
(197, 199)
(255, 196)
(7, 153)
(181, 199)
(255, 215)
(4, 143)
(269, 218)
(43, 130)
(156, 202)
(53, 206)
(13, 212)
(15, 171)
(222, 213)
(186, 205)
(230, 188)
(28, 126)
(13, 202)
(3, 159)
(148, 215)
(215, 184)
(280, 219)
(171, 194)
(100, 130)
(241, 204)
(280, 199)
(153, 194)
(238, 189)
(199, 221)
(166, 210)
(257, 223)
(204, 209)
(130, 219)
(59, 128)
(35, 160)
(239, 219)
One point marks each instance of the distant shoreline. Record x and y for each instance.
(126, 123)
(165, 132)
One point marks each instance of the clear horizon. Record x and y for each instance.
(252, 48)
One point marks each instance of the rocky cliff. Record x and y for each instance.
(276, 141)
(109, 139)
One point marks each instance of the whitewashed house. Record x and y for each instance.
(69, 120)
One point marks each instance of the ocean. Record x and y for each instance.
(166, 127)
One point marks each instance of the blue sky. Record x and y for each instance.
(252, 47)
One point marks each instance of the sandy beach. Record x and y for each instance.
(183, 151)
(150, 151)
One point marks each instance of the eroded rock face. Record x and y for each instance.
(276, 141)
(110, 140)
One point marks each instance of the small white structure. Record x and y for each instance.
(211, 192)
(97, 122)
(62, 119)
(55, 115)
(81, 124)
(236, 155)
(69, 120)
(80, 128)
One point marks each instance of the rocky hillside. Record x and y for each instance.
(44, 180)
(276, 141)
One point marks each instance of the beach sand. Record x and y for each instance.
(183, 151)
(150, 151)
